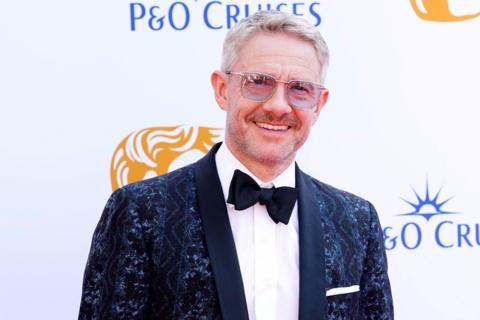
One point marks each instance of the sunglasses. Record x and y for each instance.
(261, 87)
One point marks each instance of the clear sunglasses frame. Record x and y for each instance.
(300, 94)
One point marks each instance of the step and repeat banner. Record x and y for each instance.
(96, 95)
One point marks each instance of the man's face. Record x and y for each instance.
(268, 132)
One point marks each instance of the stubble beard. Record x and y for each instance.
(248, 150)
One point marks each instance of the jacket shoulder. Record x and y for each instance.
(158, 186)
(151, 199)
(341, 197)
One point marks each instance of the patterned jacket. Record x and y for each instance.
(164, 249)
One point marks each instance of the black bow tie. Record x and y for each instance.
(244, 192)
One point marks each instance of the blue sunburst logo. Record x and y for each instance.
(427, 207)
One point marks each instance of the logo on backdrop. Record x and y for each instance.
(429, 220)
(154, 151)
(439, 11)
(426, 207)
(215, 15)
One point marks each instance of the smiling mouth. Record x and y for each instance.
(272, 127)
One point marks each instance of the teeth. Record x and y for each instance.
(271, 127)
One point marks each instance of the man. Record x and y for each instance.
(243, 233)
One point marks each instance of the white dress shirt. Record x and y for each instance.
(267, 252)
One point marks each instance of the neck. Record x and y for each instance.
(264, 169)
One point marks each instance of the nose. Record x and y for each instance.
(278, 103)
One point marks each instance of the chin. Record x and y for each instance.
(274, 158)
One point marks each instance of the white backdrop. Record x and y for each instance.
(75, 80)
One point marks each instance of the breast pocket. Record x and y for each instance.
(343, 303)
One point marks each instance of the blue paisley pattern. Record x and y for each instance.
(149, 260)
(354, 255)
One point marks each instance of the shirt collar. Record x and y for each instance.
(227, 163)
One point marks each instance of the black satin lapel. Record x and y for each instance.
(312, 304)
(219, 237)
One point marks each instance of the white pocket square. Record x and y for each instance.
(342, 290)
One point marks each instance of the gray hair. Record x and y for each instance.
(277, 22)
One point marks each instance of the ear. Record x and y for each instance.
(322, 100)
(219, 85)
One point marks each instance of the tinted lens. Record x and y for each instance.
(258, 87)
(302, 94)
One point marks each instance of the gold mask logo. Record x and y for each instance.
(151, 152)
(438, 10)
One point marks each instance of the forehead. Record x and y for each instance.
(282, 55)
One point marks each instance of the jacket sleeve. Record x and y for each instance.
(376, 297)
(116, 279)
